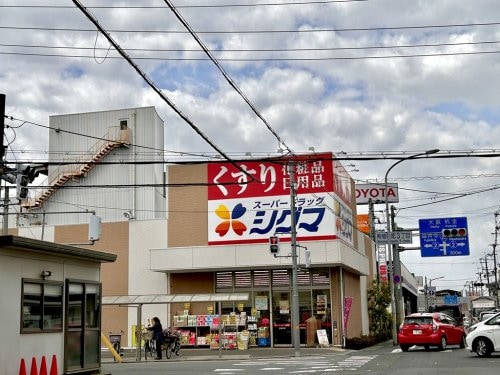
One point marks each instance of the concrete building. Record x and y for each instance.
(201, 229)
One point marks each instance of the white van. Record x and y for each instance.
(484, 337)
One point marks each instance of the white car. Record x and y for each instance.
(484, 337)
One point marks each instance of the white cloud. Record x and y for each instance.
(405, 104)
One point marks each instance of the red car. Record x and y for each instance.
(430, 329)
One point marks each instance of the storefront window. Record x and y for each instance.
(260, 278)
(224, 280)
(281, 278)
(41, 306)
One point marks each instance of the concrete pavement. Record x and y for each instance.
(205, 354)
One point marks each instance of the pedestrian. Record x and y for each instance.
(157, 335)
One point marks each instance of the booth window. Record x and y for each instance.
(42, 306)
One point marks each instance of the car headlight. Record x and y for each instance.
(471, 329)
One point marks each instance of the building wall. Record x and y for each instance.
(192, 283)
(352, 288)
(188, 206)
(145, 202)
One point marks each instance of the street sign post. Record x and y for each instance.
(397, 237)
(443, 237)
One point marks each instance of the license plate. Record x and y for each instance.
(417, 331)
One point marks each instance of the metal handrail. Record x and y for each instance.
(116, 136)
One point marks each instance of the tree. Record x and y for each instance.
(379, 299)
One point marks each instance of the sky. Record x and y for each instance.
(357, 78)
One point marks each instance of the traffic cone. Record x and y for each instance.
(34, 369)
(22, 367)
(53, 365)
(43, 366)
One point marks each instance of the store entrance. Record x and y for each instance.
(282, 327)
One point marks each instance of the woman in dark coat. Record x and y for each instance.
(157, 335)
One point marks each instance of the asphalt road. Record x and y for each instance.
(382, 359)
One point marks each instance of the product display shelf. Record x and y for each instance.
(252, 330)
(203, 330)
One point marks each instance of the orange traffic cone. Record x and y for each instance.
(22, 367)
(53, 365)
(43, 366)
(34, 370)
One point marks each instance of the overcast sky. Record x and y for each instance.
(356, 77)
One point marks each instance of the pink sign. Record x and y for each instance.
(347, 311)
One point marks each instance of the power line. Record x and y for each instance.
(287, 3)
(225, 50)
(153, 85)
(345, 58)
(301, 31)
(224, 73)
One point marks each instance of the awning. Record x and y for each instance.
(173, 298)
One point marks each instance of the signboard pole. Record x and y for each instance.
(398, 293)
(391, 267)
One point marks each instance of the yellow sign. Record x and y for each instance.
(210, 309)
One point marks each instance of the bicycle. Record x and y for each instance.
(115, 340)
(149, 344)
(173, 343)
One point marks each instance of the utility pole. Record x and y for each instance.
(5, 227)
(2, 165)
(295, 290)
(495, 266)
(2, 127)
(486, 271)
(398, 292)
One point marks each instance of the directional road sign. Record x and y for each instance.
(397, 237)
(443, 237)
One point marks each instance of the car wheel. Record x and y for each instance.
(462, 342)
(442, 345)
(483, 347)
(405, 348)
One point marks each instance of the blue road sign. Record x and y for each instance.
(443, 237)
(450, 300)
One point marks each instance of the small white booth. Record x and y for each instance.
(50, 307)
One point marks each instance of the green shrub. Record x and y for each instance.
(362, 342)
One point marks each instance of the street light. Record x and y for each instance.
(427, 289)
(394, 253)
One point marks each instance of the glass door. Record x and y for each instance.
(281, 319)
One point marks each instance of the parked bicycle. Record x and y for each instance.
(115, 340)
(172, 342)
(149, 344)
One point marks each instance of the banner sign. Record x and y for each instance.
(242, 210)
(347, 312)
(382, 263)
(364, 223)
(377, 193)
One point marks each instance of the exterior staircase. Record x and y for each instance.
(115, 137)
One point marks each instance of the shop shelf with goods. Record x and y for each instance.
(224, 333)
(193, 329)
(252, 330)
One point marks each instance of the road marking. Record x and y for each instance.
(302, 365)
